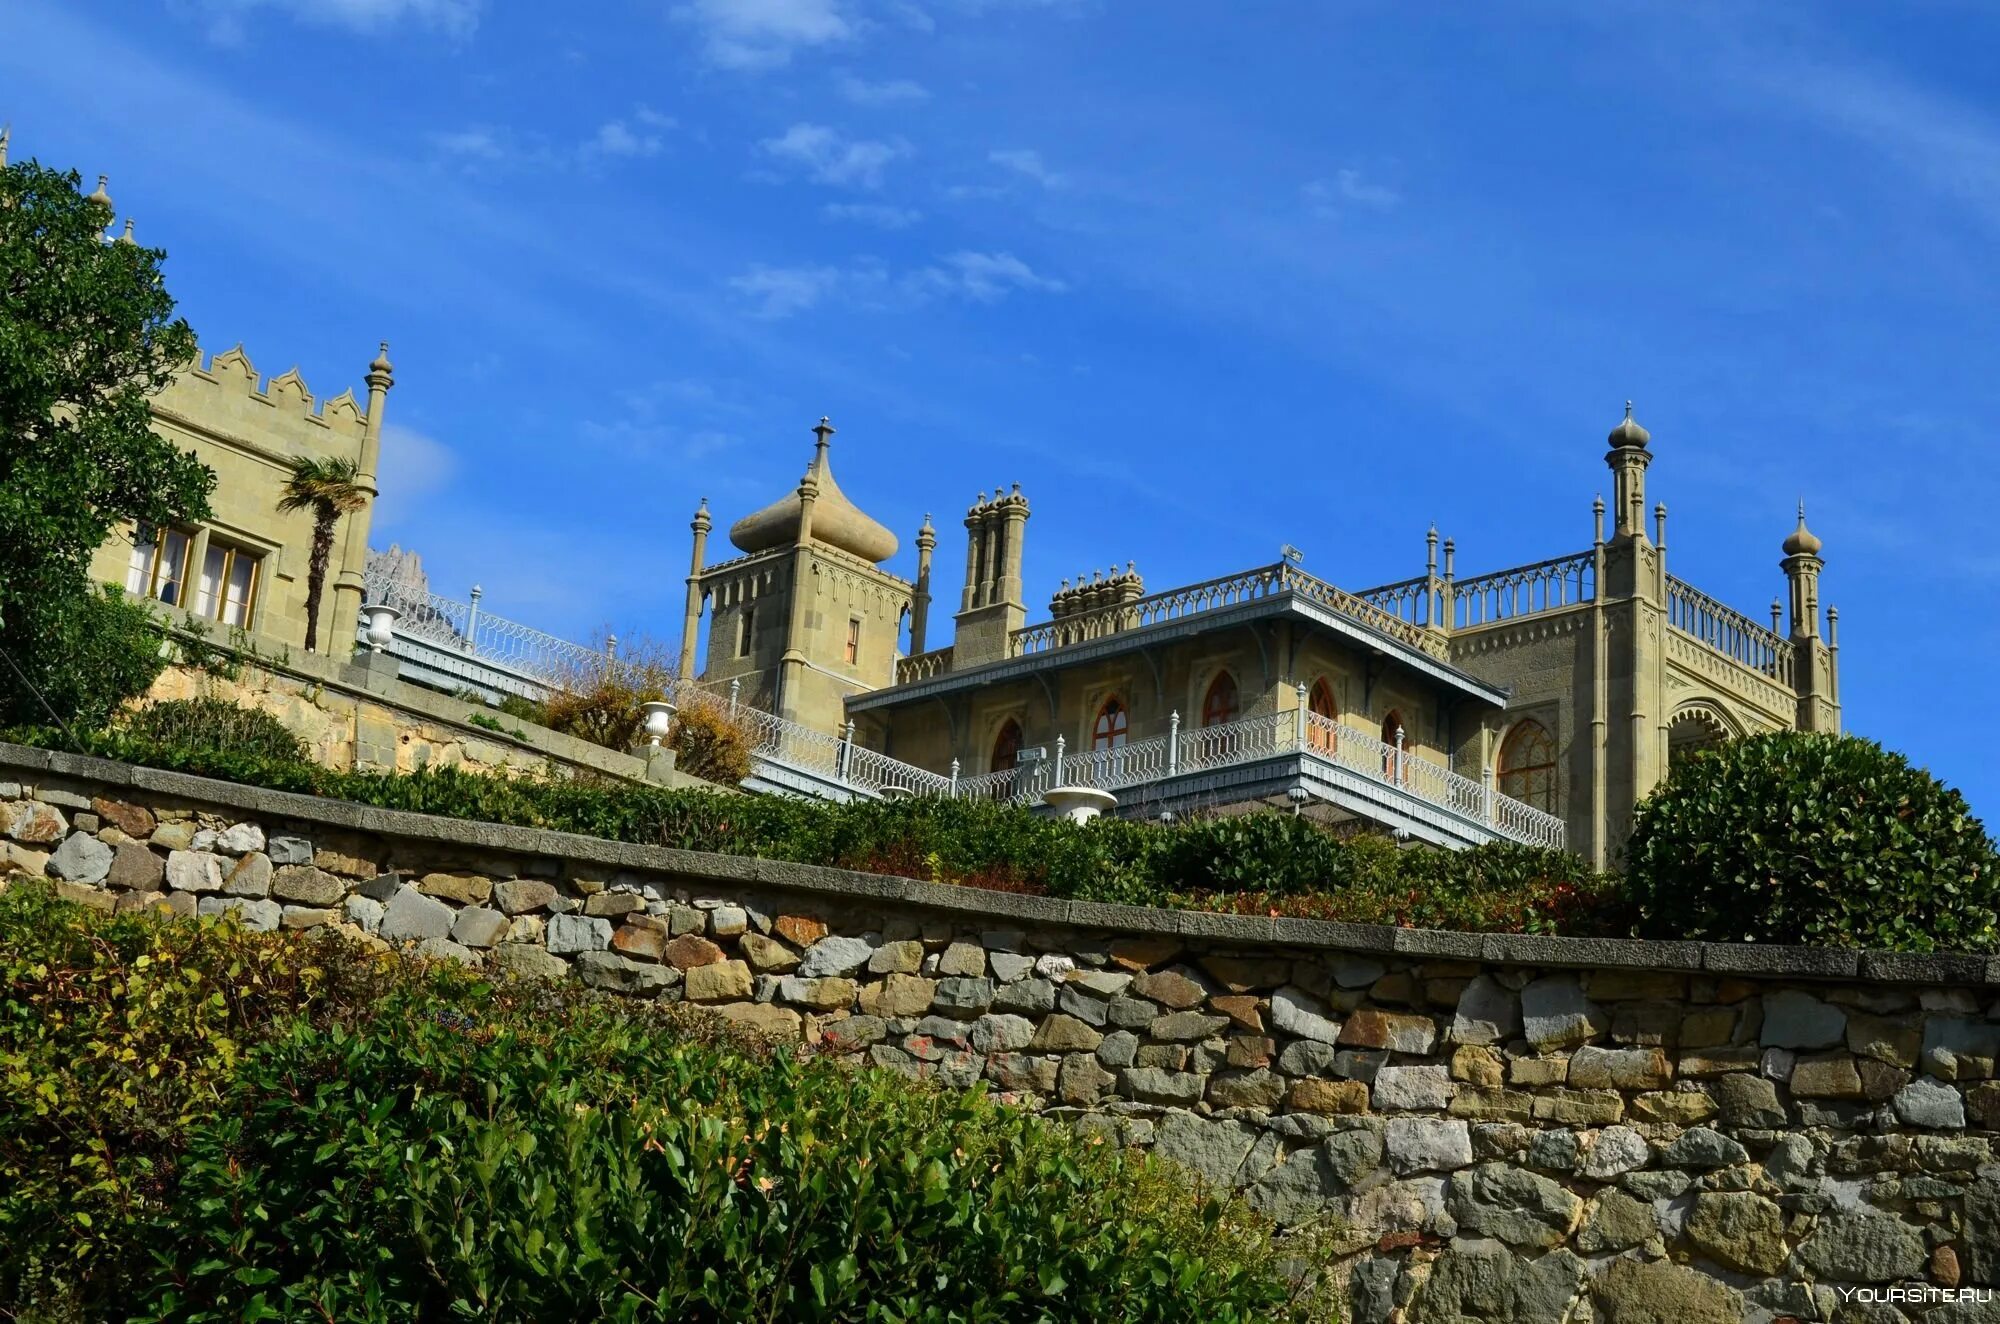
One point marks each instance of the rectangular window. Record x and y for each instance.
(228, 583)
(746, 629)
(853, 642)
(158, 568)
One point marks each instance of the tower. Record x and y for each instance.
(920, 601)
(1814, 674)
(806, 616)
(990, 605)
(1630, 721)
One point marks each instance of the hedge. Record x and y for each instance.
(1265, 861)
(200, 1123)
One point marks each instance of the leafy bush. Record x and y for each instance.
(1819, 839)
(273, 1126)
(219, 726)
(88, 652)
(710, 744)
(599, 701)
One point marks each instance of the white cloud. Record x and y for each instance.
(618, 138)
(414, 466)
(986, 276)
(474, 144)
(1349, 187)
(456, 18)
(782, 291)
(764, 34)
(1023, 161)
(830, 158)
(779, 292)
(870, 213)
(894, 91)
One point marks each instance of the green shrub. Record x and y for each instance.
(295, 1129)
(88, 653)
(1820, 839)
(216, 726)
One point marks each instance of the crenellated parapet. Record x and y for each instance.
(1102, 591)
(228, 399)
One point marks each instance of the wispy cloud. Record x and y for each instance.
(1349, 189)
(1028, 163)
(457, 18)
(876, 214)
(987, 276)
(415, 466)
(476, 144)
(641, 135)
(764, 34)
(828, 157)
(779, 292)
(894, 91)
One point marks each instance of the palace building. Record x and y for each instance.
(1537, 703)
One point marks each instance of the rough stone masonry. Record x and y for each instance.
(1507, 1128)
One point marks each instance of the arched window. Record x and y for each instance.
(1007, 747)
(1320, 703)
(1392, 728)
(1528, 765)
(1108, 732)
(1219, 704)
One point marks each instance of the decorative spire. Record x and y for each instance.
(102, 193)
(822, 431)
(1802, 541)
(702, 522)
(1628, 432)
(126, 237)
(6, 136)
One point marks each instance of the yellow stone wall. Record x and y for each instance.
(246, 432)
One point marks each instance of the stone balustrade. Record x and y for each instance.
(1509, 1128)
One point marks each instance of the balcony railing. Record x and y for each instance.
(462, 627)
(1211, 595)
(839, 761)
(1728, 632)
(923, 666)
(1504, 595)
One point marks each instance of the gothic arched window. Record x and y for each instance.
(1219, 704)
(1320, 703)
(1528, 765)
(1007, 747)
(1108, 732)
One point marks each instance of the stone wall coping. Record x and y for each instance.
(1535, 950)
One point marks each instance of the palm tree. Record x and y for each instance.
(328, 489)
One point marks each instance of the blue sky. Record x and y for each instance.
(1202, 278)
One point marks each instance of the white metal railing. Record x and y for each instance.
(463, 628)
(1139, 763)
(1728, 632)
(1526, 590)
(1210, 595)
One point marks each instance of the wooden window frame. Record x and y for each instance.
(1510, 776)
(1318, 738)
(1112, 727)
(1218, 705)
(1006, 756)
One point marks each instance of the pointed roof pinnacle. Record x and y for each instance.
(6, 136)
(102, 193)
(1628, 432)
(126, 237)
(1802, 541)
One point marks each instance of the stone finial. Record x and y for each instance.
(702, 522)
(1802, 541)
(6, 136)
(126, 236)
(381, 372)
(1628, 432)
(102, 192)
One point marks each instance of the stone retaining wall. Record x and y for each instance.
(1511, 1128)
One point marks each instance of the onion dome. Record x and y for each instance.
(836, 521)
(381, 362)
(1802, 541)
(1628, 432)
